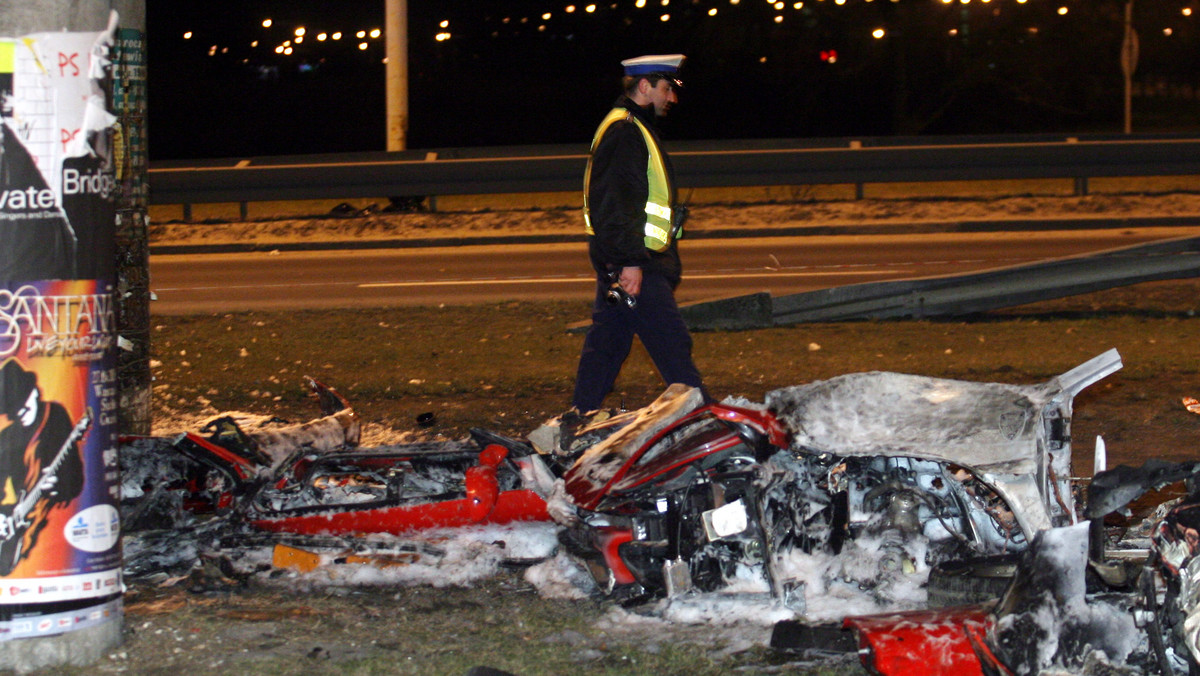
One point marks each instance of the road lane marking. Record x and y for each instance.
(521, 280)
(468, 282)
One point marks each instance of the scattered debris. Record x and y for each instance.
(890, 472)
(347, 210)
(832, 499)
(1191, 404)
(306, 561)
(1081, 601)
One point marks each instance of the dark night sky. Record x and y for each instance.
(507, 76)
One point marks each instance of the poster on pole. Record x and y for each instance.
(60, 558)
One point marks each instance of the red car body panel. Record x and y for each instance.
(588, 495)
(661, 467)
(484, 503)
(764, 420)
(245, 468)
(507, 507)
(610, 540)
(935, 642)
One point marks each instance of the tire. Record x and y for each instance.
(969, 581)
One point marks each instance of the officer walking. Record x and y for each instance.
(633, 223)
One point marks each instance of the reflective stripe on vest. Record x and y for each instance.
(658, 203)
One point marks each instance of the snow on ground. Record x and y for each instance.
(444, 557)
(169, 421)
(1164, 198)
(742, 614)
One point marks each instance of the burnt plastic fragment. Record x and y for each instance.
(1113, 489)
(794, 636)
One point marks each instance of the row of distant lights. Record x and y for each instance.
(374, 34)
(298, 37)
(589, 9)
(300, 33)
(778, 5)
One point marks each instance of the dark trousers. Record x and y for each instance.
(655, 320)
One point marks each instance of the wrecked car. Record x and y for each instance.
(1167, 604)
(680, 495)
(1100, 596)
(401, 489)
(685, 496)
(1170, 585)
(1046, 619)
(310, 478)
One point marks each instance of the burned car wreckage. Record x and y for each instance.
(685, 497)
(689, 496)
(1096, 597)
(312, 479)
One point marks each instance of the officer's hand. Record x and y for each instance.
(631, 280)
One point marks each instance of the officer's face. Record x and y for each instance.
(663, 96)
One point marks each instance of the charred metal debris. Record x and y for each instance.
(948, 503)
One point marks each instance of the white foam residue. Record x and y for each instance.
(853, 583)
(520, 540)
(742, 613)
(1064, 549)
(620, 618)
(464, 563)
(720, 608)
(1047, 621)
(561, 577)
(1115, 625)
(446, 557)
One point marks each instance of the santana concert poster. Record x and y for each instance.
(60, 555)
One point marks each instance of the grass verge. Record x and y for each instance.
(511, 366)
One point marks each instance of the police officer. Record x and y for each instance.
(633, 223)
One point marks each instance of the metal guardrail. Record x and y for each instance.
(993, 289)
(955, 295)
(698, 165)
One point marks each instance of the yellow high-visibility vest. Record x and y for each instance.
(658, 202)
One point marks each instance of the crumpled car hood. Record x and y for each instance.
(1016, 438)
(992, 426)
(895, 414)
(598, 465)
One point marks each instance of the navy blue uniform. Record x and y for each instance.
(617, 205)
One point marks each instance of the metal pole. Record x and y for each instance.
(73, 157)
(396, 28)
(1129, 58)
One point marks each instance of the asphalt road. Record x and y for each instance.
(204, 283)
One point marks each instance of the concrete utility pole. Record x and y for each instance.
(396, 29)
(1129, 59)
(73, 221)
